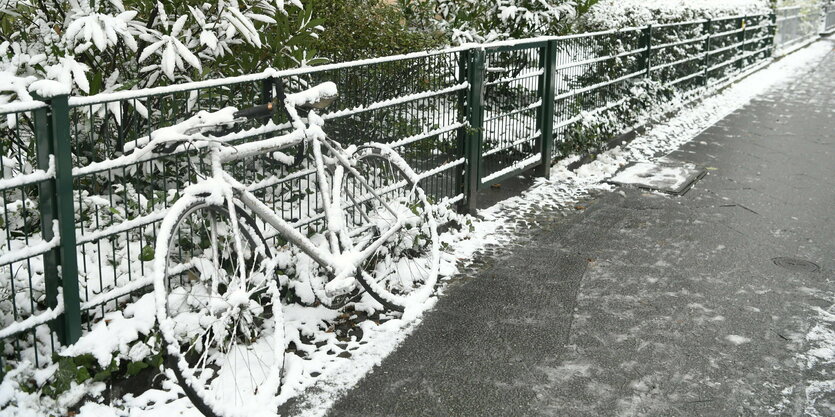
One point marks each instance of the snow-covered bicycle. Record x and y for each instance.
(218, 299)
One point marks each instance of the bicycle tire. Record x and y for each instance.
(413, 250)
(185, 349)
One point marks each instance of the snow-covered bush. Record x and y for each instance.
(490, 20)
(634, 100)
(93, 46)
(613, 14)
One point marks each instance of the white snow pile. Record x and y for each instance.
(611, 14)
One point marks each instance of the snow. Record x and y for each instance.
(33, 247)
(32, 321)
(653, 176)
(21, 106)
(48, 88)
(35, 176)
(116, 331)
(631, 13)
(736, 339)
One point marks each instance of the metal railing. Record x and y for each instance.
(828, 18)
(465, 118)
(797, 26)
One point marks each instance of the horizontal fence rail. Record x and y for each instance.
(81, 215)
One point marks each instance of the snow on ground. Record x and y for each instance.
(327, 375)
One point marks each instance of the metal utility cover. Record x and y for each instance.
(669, 177)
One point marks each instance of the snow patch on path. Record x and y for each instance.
(737, 339)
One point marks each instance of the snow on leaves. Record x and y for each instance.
(492, 20)
(83, 43)
(174, 54)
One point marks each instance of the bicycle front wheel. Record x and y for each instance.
(391, 219)
(219, 309)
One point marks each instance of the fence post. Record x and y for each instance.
(59, 132)
(463, 132)
(773, 17)
(706, 61)
(648, 51)
(548, 57)
(46, 200)
(740, 60)
(475, 129)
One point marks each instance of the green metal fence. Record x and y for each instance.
(465, 118)
(829, 18)
(799, 25)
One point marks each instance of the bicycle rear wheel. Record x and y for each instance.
(396, 217)
(219, 309)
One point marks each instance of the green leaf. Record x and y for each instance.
(135, 367)
(101, 375)
(96, 83)
(156, 360)
(147, 253)
(81, 374)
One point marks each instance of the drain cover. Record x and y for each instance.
(794, 264)
(671, 177)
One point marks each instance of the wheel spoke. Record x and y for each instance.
(405, 252)
(220, 334)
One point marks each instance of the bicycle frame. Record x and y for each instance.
(342, 259)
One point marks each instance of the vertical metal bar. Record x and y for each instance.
(740, 60)
(46, 200)
(463, 132)
(773, 17)
(267, 89)
(60, 129)
(648, 52)
(475, 131)
(706, 61)
(547, 93)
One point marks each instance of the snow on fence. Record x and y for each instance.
(464, 118)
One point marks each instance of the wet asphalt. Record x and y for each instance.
(642, 304)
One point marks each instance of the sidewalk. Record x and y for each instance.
(641, 304)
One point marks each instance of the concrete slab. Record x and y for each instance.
(666, 176)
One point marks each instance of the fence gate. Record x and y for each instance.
(510, 111)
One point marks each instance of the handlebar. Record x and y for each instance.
(168, 138)
(256, 112)
(314, 98)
